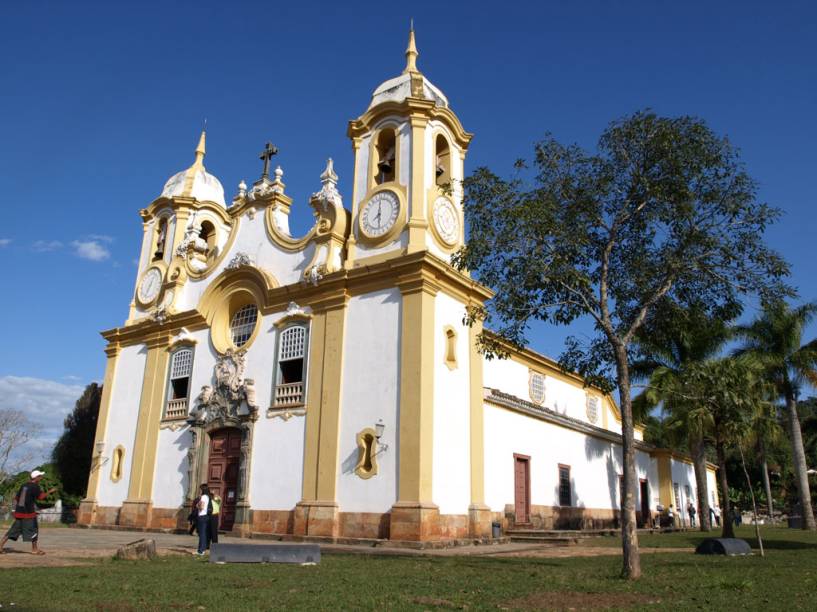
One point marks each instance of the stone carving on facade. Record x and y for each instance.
(238, 260)
(193, 248)
(265, 188)
(223, 401)
(331, 227)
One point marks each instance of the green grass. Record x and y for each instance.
(785, 580)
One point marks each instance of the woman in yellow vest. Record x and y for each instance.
(212, 532)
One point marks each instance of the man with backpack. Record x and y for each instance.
(25, 513)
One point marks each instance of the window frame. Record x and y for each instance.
(306, 325)
(174, 352)
(563, 466)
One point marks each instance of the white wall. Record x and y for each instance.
(126, 394)
(277, 463)
(370, 391)
(683, 474)
(451, 479)
(170, 476)
(595, 464)
(712, 488)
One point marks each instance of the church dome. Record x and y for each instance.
(195, 182)
(412, 83)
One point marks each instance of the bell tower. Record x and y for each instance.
(409, 153)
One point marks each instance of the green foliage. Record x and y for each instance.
(73, 451)
(662, 210)
(50, 480)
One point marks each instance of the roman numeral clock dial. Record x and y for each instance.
(379, 214)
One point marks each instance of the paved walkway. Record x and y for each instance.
(75, 546)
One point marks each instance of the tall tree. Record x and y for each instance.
(673, 339)
(664, 208)
(72, 452)
(16, 431)
(775, 340)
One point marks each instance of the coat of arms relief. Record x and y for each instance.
(231, 391)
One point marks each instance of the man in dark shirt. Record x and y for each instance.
(25, 513)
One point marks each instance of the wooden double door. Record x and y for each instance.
(222, 471)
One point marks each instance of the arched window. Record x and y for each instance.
(117, 463)
(385, 156)
(442, 161)
(208, 234)
(160, 240)
(290, 380)
(178, 393)
(242, 325)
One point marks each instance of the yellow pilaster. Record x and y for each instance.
(476, 417)
(417, 210)
(324, 398)
(665, 495)
(351, 243)
(416, 389)
(140, 487)
(112, 350)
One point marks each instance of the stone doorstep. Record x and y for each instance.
(285, 537)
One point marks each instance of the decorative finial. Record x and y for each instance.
(328, 175)
(278, 174)
(200, 149)
(242, 189)
(411, 52)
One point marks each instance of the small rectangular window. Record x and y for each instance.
(565, 493)
(290, 387)
(181, 367)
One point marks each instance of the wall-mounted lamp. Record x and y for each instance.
(379, 427)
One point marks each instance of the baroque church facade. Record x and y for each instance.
(326, 385)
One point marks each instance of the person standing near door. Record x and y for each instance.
(212, 532)
(205, 510)
(691, 511)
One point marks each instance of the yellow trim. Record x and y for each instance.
(665, 494)
(294, 319)
(151, 407)
(351, 241)
(366, 450)
(285, 241)
(112, 350)
(417, 206)
(416, 389)
(117, 463)
(477, 435)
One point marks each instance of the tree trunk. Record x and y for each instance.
(631, 568)
(727, 520)
(698, 447)
(799, 461)
(767, 486)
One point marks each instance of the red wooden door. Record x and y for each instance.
(222, 471)
(521, 485)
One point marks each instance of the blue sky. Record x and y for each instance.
(101, 102)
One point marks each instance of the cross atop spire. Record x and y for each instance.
(411, 52)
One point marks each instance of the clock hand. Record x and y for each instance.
(377, 216)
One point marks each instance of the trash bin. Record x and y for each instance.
(496, 529)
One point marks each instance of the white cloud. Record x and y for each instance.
(101, 238)
(46, 403)
(43, 246)
(4, 242)
(91, 250)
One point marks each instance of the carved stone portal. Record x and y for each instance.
(229, 402)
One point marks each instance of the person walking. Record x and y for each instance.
(25, 513)
(212, 534)
(692, 512)
(205, 509)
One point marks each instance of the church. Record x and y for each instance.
(325, 385)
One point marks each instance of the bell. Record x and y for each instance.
(385, 166)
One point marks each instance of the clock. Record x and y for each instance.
(150, 285)
(446, 220)
(379, 214)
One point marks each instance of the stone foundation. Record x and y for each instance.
(316, 518)
(414, 521)
(366, 525)
(135, 514)
(560, 517)
(273, 521)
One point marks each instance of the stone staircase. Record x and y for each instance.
(556, 537)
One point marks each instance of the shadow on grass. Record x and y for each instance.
(780, 544)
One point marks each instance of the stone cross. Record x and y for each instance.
(266, 155)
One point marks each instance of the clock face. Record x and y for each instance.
(150, 285)
(379, 214)
(446, 220)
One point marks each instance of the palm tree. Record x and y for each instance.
(764, 432)
(774, 340)
(674, 341)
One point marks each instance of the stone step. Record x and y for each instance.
(539, 539)
(562, 533)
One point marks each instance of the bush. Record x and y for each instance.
(48, 481)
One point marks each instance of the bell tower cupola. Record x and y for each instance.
(409, 153)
